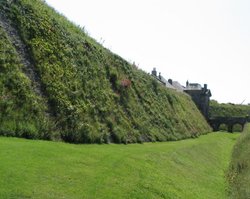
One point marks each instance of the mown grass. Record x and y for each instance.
(193, 168)
(239, 173)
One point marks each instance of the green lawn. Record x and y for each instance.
(193, 168)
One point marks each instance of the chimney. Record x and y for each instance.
(154, 72)
(205, 87)
(170, 81)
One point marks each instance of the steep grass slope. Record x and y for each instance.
(58, 83)
(185, 169)
(239, 173)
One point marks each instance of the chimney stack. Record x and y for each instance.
(154, 72)
(205, 87)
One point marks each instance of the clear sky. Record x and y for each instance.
(202, 41)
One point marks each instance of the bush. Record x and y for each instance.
(26, 130)
(8, 128)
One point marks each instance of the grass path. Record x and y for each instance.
(193, 168)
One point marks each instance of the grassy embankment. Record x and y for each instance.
(85, 93)
(193, 168)
(239, 173)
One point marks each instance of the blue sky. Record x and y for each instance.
(197, 40)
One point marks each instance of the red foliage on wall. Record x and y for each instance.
(126, 83)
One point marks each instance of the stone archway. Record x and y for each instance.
(228, 121)
(238, 127)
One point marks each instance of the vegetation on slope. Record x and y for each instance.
(185, 169)
(231, 110)
(87, 94)
(22, 113)
(239, 173)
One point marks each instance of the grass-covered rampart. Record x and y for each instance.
(89, 94)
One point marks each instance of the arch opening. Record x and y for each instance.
(223, 127)
(238, 127)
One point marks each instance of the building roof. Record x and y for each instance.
(169, 85)
(178, 86)
(193, 86)
(190, 87)
(165, 82)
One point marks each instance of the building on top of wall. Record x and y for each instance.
(177, 86)
(161, 79)
(200, 95)
(193, 86)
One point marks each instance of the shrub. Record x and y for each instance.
(26, 130)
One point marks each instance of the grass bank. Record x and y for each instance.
(57, 83)
(193, 168)
(239, 174)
